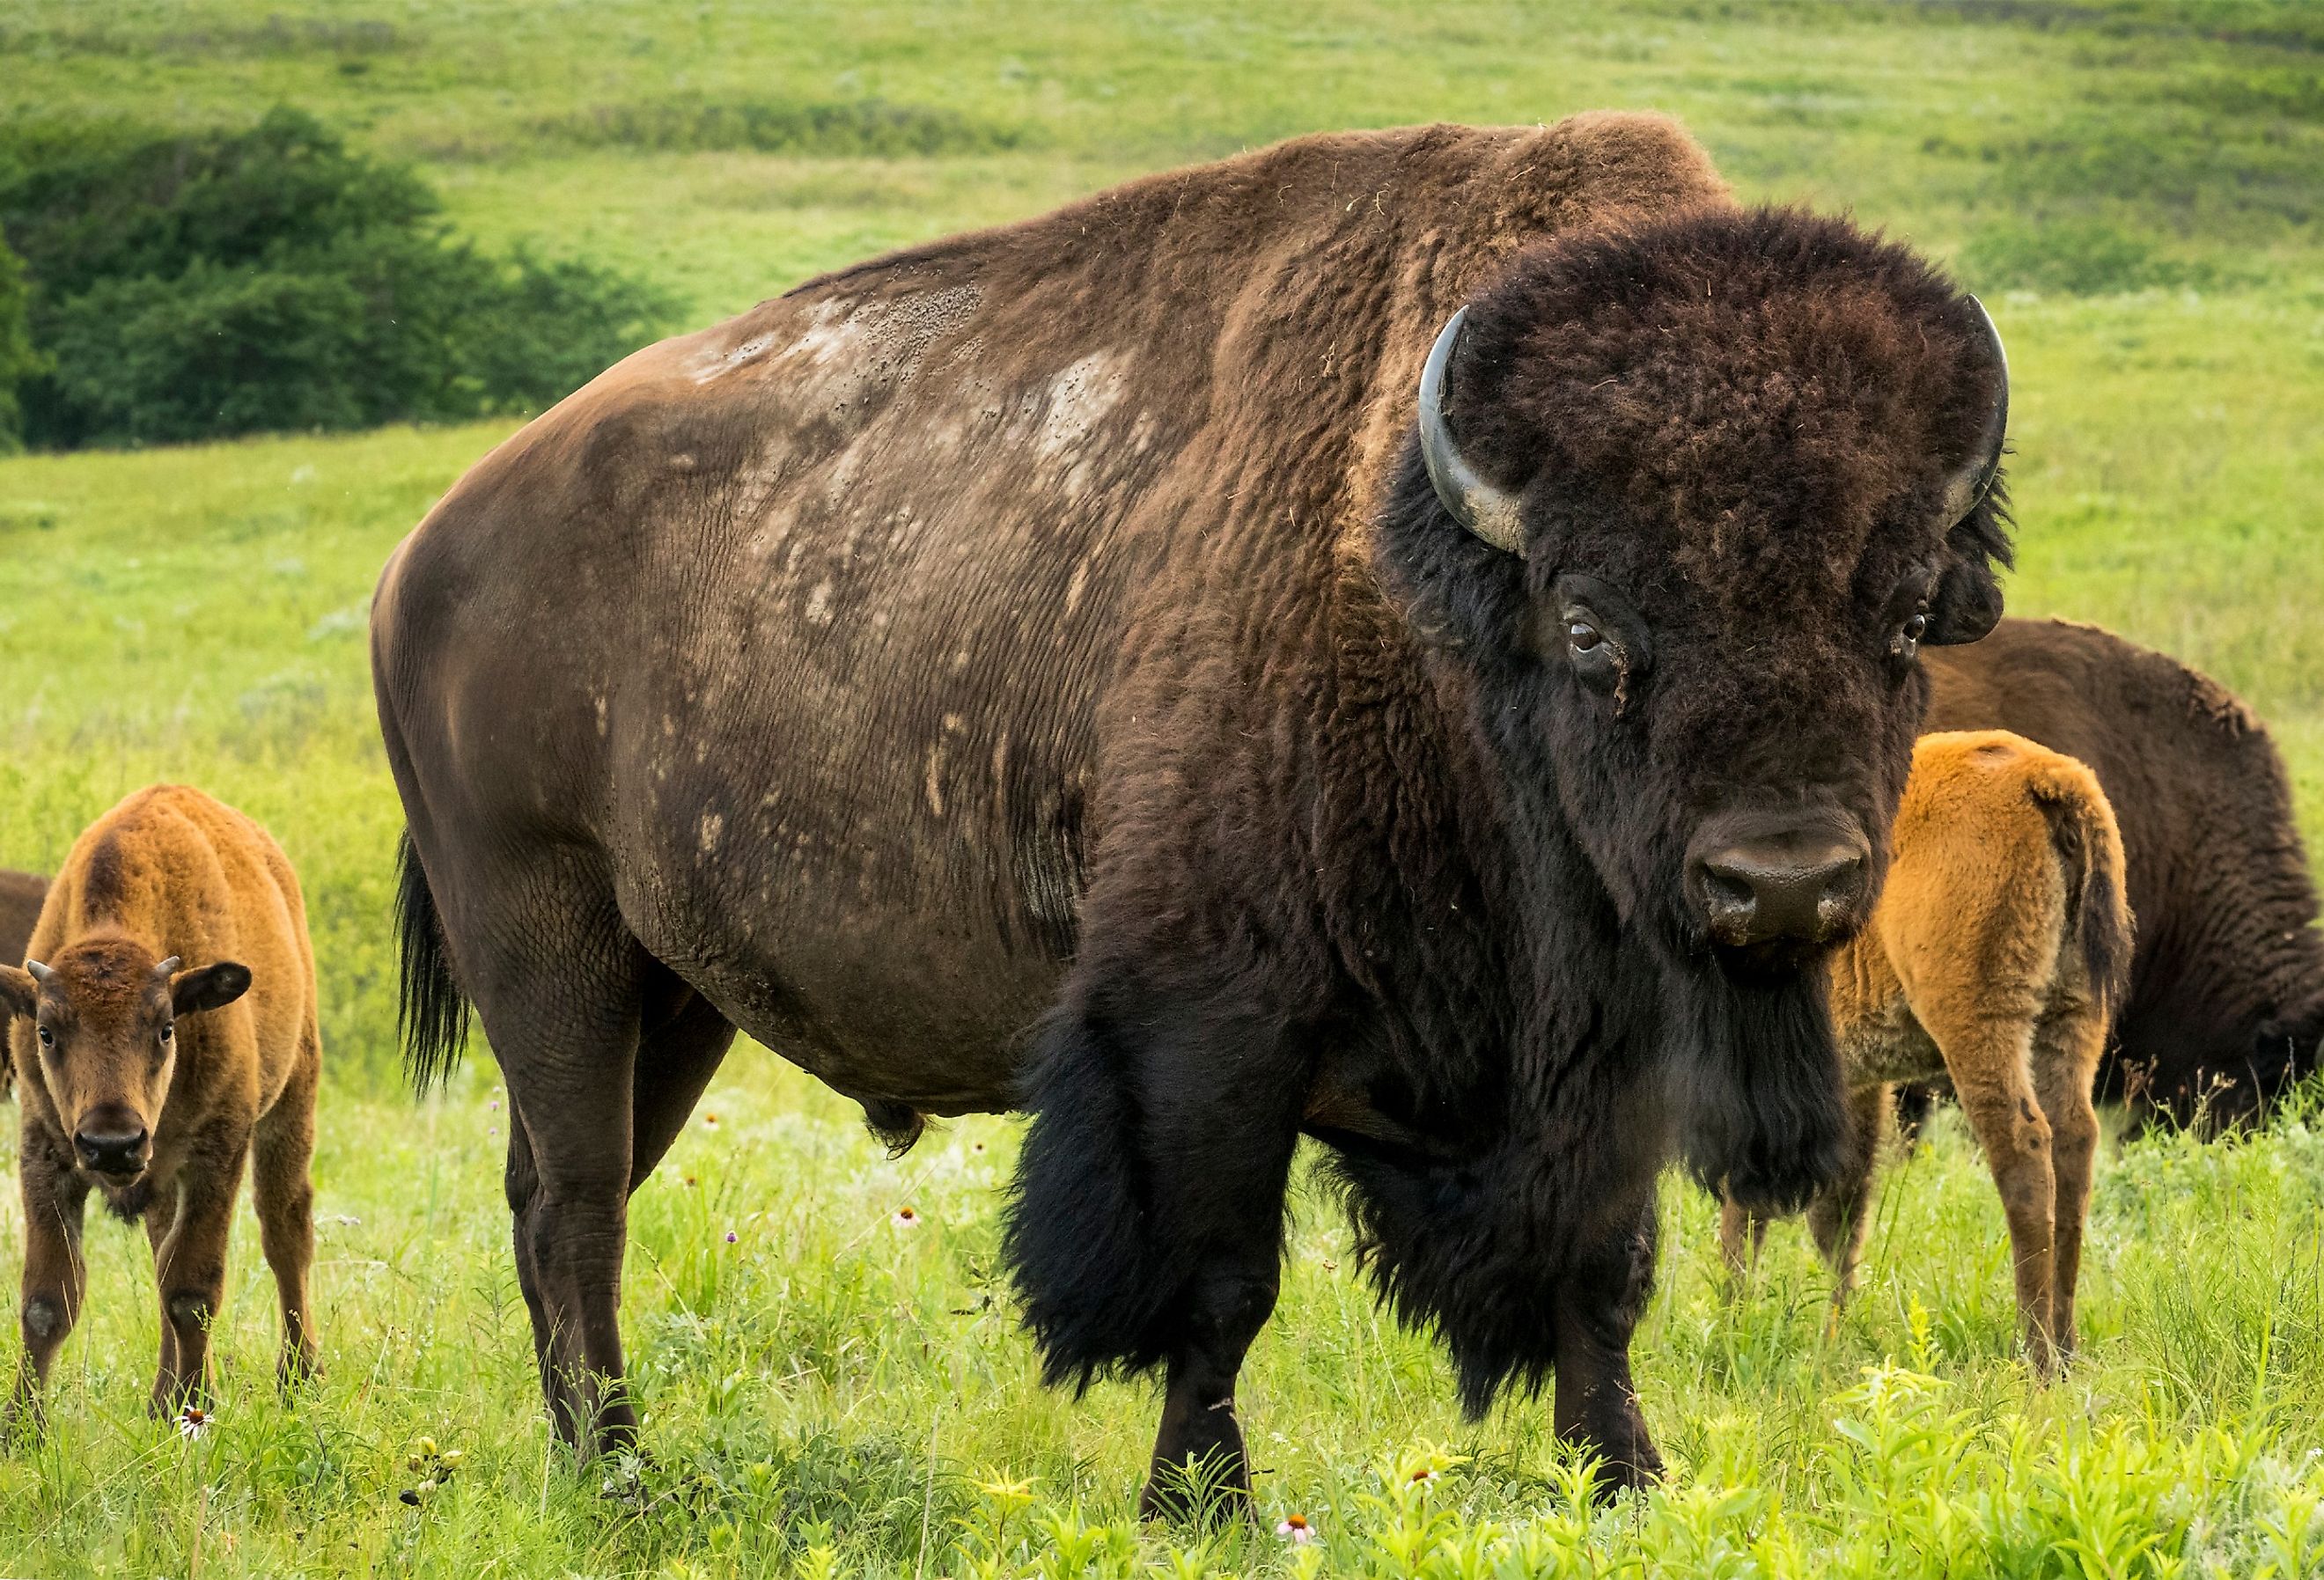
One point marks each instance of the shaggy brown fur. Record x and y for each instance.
(21, 894)
(2227, 991)
(1996, 956)
(1055, 628)
(154, 1083)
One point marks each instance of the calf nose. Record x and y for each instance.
(1801, 888)
(112, 1151)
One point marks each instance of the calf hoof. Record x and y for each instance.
(297, 1368)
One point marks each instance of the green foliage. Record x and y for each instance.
(858, 128)
(19, 361)
(213, 284)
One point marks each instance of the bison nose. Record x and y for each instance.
(1801, 888)
(119, 1153)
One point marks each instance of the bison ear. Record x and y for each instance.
(1967, 604)
(19, 994)
(211, 987)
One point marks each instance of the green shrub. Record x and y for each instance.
(220, 283)
(18, 359)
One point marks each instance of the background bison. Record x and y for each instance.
(2227, 988)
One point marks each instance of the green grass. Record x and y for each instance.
(2135, 187)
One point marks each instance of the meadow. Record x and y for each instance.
(2136, 189)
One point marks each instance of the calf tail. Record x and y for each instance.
(431, 1013)
(2088, 845)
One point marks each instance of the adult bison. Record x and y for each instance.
(2227, 990)
(21, 894)
(1105, 625)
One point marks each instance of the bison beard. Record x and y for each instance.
(1754, 1080)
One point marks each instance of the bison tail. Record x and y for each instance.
(2088, 845)
(1078, 1241)
(431, 1017)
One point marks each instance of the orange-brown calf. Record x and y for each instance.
(164, 1032)
(1999, 951)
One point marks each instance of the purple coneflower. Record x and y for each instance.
(1296, 1527)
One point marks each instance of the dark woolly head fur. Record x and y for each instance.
(1731, 434)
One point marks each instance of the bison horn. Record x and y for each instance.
(167, 966)
(1968, 484)
(40, 972)
(1488, 512)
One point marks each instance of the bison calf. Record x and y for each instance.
(169, 1035)
(1995, 958)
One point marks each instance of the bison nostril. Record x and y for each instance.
(112, 1151)
(1780, 889)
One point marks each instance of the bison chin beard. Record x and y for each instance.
(1756, 1082)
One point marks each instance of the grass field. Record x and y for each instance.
(2136, 188)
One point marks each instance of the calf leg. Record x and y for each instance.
(1839, 1215)
(55, 1276)
(191, 1268)
(284, 1191)
(161, 1221)
(1741, 1234)
(2066, 1048)
(1988, 1060)
(1597, 1306)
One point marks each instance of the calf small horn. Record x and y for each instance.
(40, 972)
(167, 966)
(1488, 512)
(1968, 484)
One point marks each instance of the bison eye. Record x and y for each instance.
(48, 1037)
(1582, 635)
(168, 1032)
(1908, 639)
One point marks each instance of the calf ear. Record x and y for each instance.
(211, 987)
(1967, 604)
(19, 994)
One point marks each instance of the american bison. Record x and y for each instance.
(21, 894)
(1996, 956)
(152, 1080)
(2226, 1007)
(1407, 636)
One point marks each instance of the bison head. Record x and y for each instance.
(1687, 501)
(105, 1039)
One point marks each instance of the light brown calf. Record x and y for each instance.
(1996, 955)
(164, 1031)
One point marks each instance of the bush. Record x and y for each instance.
(18, 360)
(222, 283)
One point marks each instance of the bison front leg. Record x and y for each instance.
(1148, 1227)
(55, 1198)
(190, 1267)
(1599, 1305)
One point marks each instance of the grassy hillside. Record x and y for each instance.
(2135, 187)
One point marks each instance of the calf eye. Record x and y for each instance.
(168, 1032)
(48, 1037)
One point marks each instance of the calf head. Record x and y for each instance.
(105, 1038)
(1688, 500)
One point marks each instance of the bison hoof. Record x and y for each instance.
(1211, 1491)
